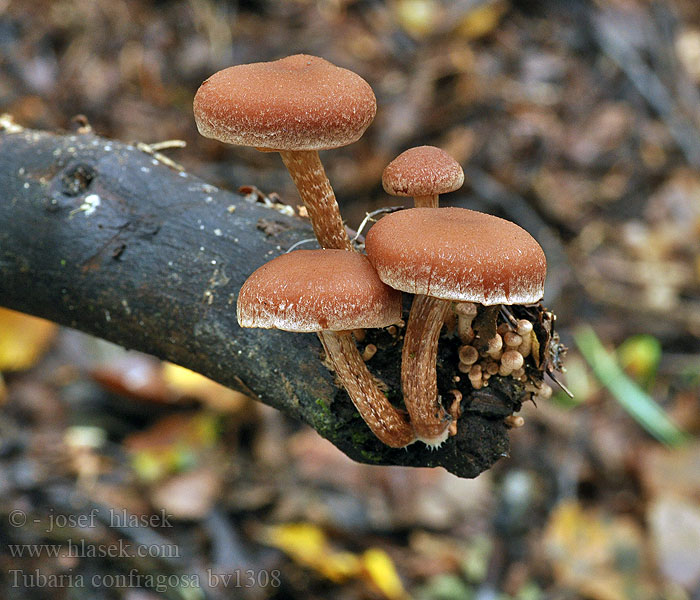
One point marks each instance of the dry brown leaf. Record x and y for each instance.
(188, 495)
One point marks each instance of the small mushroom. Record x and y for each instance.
(475, 377)
(466, 311)
(369, 352)
(514, 421)
(443, 255)
(494, 347)
(511, 361)
(468, 355)
(525, 332)
(423, 172)
(512, 339)
(296, 106)
(331, 292)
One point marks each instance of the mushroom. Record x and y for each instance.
(423, 172)
(443, 255)
(296, 106)
(331, 292)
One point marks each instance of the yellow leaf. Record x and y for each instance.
(482, 20)
(535, 349)
(418, 18)
(23, 339)
(188, 383)
(307, 545)
(381, 572)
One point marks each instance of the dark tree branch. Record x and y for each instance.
(97, 235)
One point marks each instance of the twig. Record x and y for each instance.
(154, 151)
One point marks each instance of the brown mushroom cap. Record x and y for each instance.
(317, 290)
(296, 103)
(457, 254)
(422, 171)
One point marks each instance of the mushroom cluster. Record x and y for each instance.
(461, 266)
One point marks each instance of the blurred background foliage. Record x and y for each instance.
(577, 119)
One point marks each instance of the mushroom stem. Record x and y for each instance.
(418, 369)
(387, 422)
(317, 195)
(466, 312)
(431, 201)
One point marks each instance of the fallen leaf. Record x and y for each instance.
(23, 339)
(188, 495)
(308, 545)
(380, 571)
(185, 383)
(134, 376)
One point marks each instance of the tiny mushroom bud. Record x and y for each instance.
(525, 332)
(466, 311)
(455, 411)
(369, 351)
(296, 106)
(519, 374)
(503, 328)
(331, 292)
(514, 421)
(511, 361)
(475, 377)
(524, 327)
(492, 367)
(424, 172)
(512, 339)
(544, 392)
(495, 345)
(358, 334)
(468, 355)
(464, 367)
(443, 255)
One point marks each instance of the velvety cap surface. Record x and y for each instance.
(457, 254)
(422, 171)
(315, 290)
(296, 103)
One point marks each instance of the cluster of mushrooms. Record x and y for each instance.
(456, 262)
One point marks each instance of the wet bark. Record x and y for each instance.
(99, 236)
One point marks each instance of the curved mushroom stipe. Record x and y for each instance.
(418, 369)
(387, 422)
(331, 292)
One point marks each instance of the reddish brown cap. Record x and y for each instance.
(422, 171)
(457, 254)
(296, 103)
(317, 290)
